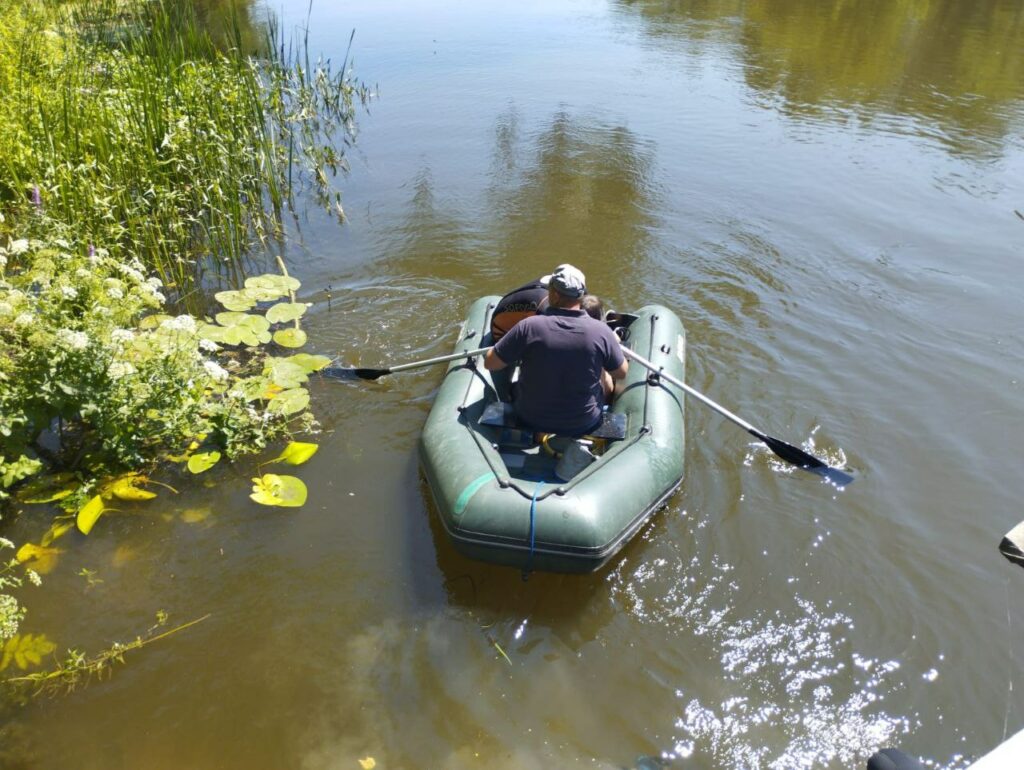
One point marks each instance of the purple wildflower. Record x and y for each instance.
(92, 251)
(37, 200)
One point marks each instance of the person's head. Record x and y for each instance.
(593, 305)
(566, 286)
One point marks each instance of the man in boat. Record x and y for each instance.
(528, 300)
(568, 360)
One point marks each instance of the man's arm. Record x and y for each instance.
(492, 363)
(621, 372)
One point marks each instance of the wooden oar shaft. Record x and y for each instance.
(438, 360)
(695, 393)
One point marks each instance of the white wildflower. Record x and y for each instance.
(154, 282)
(132, 273)
(5, 543)
(73, 340)
(102, 310)
(83, 274)
(3, 262)
(122, 335)
(208, 345)
(33, 577)
(115, 293)
(183, 323)
(6, 309)
(119, 369)
(69, 292)
(216, 371)
(19, 246)
(25, 319)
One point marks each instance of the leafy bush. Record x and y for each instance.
(86, 360)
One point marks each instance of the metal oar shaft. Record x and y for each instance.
(438, 360)
(695, 393)
(788, 452)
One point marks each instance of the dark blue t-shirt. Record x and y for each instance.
(561, 354)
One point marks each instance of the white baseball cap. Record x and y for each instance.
(566, 280)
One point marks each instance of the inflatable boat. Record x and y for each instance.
(558, 504)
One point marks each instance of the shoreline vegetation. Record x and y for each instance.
(143, 154)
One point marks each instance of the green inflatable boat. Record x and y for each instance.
(552, 506)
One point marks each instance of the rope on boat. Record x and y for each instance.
(533, 531)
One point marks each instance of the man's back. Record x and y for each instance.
(562, 354)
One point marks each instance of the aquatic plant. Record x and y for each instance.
(131, 123)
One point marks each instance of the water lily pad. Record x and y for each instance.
(283, 312)
(310, 363)
(289, 401)
(272, 282)
(284, 373)
(290, 338)
(211, 332)
(243, 328)
(235, 300)
(203, 461)
(251, 388)
(296, 453)
(283, 491)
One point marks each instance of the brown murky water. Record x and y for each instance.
(825, 191)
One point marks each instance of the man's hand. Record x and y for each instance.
(492, 363)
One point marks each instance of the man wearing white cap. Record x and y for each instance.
(567, 360)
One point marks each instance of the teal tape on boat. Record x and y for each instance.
(471, 489)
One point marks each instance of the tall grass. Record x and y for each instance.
(139, 126)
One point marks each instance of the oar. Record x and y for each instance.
(348, 373)
(787, 452)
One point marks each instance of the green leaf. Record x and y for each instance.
(296, 453)
(251, 388)
(48, 489)
(283, 312)
(245, 328)
(289, 401)
(126, 487)
(153, 321)
(284, 373)
(212, 332)
(89, 513)
(203, 461)
(26, 650)
(309, 363)
(273, 282)
(235, 300)
(290, 338)
(283, 491)
(39, 558)
(56, 530)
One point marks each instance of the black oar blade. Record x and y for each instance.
(805, 461)
(349, 373)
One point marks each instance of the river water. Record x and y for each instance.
(825, 192)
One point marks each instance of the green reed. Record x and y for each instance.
(137, 124)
